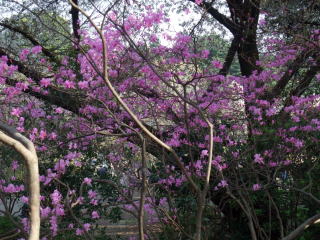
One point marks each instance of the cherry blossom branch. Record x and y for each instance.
(144, 184)
(125, 106)
(201, 193)
(70, 206)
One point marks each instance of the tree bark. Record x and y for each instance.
(293, 235)
(75, 21)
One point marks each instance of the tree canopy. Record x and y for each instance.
(211, 132)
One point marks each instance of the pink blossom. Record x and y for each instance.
(287, 162)
(11, 188)
(42, 178)
(179, 182)
(79, 232)
(217, 139)
(153, 38)
(16, 112)
(298, 143)
(258, 159)
(14, 165)
(54, 225)
(186, 10)
(36, 49)
(95, 215)
(92, 194)
(59, 211)
(26, 224)
(87, 181)
(94, 202)
(24, 199)
(56, 197)
(223, 183)
(256, 187)
(217, 64)
(83, 84)
(52, 136)
(59, 110)
(61, 165)
(198, 164)
(86, 227)
(217, 160)
(262, 22)
(273, 164)
(205, 53)
(69, 84)
(204, 153)
(271, 112)
(77, 163)
(45, 82)
(22, 86)
(42, 134)
(23, 54)
(45, 212)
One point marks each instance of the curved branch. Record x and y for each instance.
(292, 69)
(125, 106)
(13, 133)
(25, 147)
(56, 97)
(305, 82)
(222, 19)
(302, 227)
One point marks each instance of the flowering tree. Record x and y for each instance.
(205, 150)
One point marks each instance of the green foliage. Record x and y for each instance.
(218, 48)
(5, 225)
(115, 215)
(48, 28)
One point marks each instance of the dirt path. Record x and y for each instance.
(129, 229)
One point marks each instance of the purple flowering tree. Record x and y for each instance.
(204, 150)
